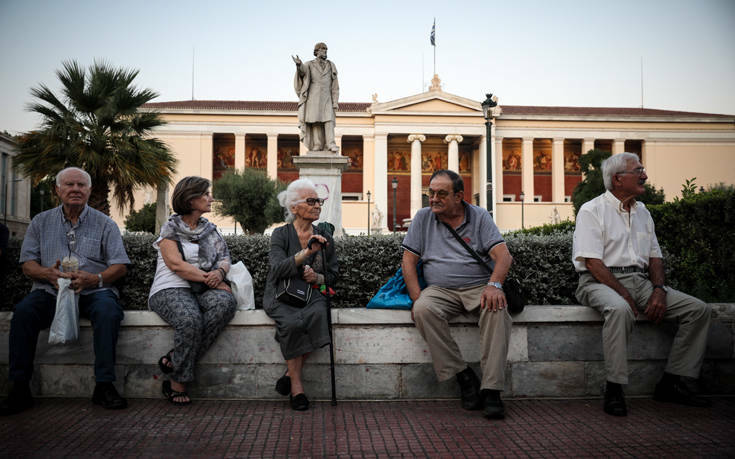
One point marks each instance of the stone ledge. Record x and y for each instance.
(555, 351)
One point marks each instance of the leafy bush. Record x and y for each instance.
(567, 226)
(700, 231)
(250, 197)
(143, 219)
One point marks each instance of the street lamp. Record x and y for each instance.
(394, 184)
(490, 102)
(368, 195)
(523, 201)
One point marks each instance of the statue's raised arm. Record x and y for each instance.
(296, 60)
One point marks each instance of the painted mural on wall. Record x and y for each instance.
(285, 158)
(542, 161)
(571, 162)
(399, 161)
(223, 158)
(511, 161)
(256, 158)
(465, 162)
(433, 161)
(355, 156)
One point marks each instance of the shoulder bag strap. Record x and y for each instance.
(469, 249)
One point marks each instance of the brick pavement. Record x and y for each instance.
(538, 428)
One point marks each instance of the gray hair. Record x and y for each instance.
(69, 169)
(292, 195)
(614, 165)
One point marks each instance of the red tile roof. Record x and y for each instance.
(528, 110)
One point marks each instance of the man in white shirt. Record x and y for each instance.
(621, 272)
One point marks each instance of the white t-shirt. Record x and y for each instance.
(604, 230)
(165, 278)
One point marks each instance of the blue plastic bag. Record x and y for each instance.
(394, 294)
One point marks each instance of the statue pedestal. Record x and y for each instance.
(324, 168)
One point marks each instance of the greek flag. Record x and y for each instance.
(432, 38)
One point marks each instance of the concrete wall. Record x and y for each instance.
(555, 352)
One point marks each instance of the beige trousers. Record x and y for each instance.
(432, 312)
(692, 315)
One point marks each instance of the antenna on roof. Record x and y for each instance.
(641, 81)
(192, 73)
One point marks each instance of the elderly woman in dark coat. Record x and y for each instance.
(299, 330)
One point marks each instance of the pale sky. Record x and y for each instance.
(578, 53)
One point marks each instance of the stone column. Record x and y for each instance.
(239, 151)
(415, 141)
(527, 168)
(368, 165)
(205, 156)
(618, 146)
(272, 167)
(587, 145)
(482, 175)
(557, 170)
(380, 186)
(161, 206)
(453, 151)
(498, 169)
(325, 170)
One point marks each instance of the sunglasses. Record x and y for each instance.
(314, 201)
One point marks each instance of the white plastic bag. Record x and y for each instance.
(65, 327)
(241, 283)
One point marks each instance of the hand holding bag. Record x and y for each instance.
(196, 287)
(65, 326)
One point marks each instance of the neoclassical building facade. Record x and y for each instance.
(535, 151)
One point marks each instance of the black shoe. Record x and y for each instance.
(469, 386)
(678, 392)
(299, 402)
(615, 402)
(492, 405)
(106, 395)
(283, 385)
(19, 399)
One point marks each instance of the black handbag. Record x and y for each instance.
(196, 287)
(511, 287)
(294, 291)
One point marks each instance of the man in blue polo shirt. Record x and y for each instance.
(456, 283)
(72, 229)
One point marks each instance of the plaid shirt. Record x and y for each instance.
(95, 241)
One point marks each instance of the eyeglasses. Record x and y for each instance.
(441, 194)
(637, 171)
(313, 201)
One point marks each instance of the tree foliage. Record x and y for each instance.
(250, 197)
(143, 219)
(593, 185)
(95, 124)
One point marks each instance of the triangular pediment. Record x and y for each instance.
(430, 102)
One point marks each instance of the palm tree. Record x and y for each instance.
(96, 125)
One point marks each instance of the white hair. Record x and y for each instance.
(293, 194)
(69, 169)
(614, 165)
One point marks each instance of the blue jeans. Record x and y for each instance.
(36, 312)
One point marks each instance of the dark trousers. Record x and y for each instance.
(36, 312)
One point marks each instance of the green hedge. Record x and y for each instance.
(697, 235)
(700, 232)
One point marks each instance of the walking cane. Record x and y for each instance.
(329, 322)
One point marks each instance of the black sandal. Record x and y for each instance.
(171, 394)
(165, 368)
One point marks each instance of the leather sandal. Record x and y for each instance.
(172, 395)
(162, 365)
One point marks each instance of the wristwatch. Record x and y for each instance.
(497, 285)
(659, 286)
(99, 284)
